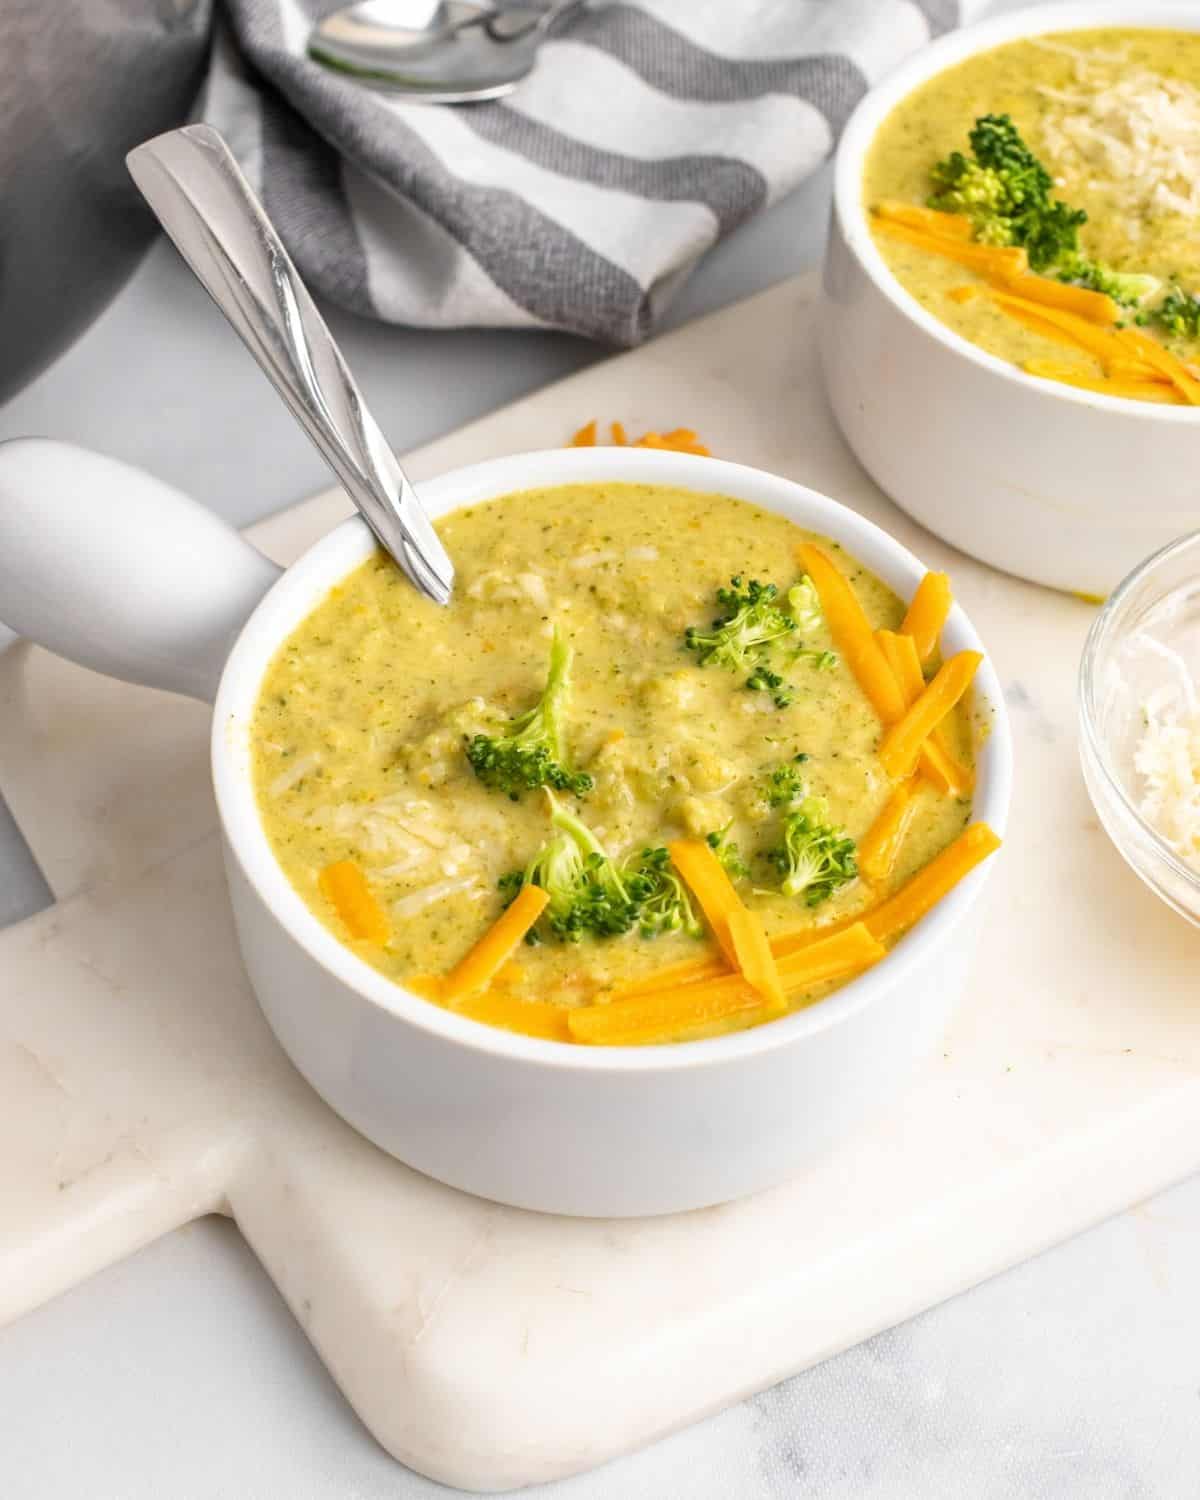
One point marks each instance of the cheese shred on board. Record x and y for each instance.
(1167, 759)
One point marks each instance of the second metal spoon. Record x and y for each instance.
(199, 195)
(438, 51)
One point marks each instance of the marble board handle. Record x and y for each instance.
(113, 569)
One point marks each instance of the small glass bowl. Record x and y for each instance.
(1159, 599)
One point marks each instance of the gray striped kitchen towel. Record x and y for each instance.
(646, 132)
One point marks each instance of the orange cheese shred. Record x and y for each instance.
(754, 957)
(938, 763)
(927, 613)
(901, 746)
(880, 845)
(710, 884)
(1135, 389)
(345, 887)
(852, 633)
(928, 220)
(1152, 353)
(528, 1017)
(927, 887)
(477, 969)
(687, 971)
(1096, 307)
(1053, 322)
(678, 440)
(995, 260)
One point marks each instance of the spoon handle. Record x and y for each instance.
(198, 193)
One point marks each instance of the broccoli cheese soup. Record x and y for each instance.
(659, 744)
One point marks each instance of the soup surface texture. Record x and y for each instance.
(1089, 105)
(367, 710)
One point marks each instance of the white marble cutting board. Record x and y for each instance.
(491, 1348)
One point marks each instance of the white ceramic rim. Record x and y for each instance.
(1093, 743)
(297, 593)
(955, 47)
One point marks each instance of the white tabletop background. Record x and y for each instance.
(180, 1375)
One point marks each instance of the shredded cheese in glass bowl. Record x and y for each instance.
(1140, 722)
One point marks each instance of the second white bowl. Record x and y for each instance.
(1055, 484)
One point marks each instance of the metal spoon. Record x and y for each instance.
(191, 181)
(439, 51)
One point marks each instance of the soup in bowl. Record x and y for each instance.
(647, 714)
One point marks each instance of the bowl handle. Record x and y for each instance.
(106, 565)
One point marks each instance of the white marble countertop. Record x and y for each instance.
(179, 1372)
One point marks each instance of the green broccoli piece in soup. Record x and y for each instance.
(1130, 289)
(752, 619)
(785, 784)
(727, 853)
(813, 858)
(1006, 193)
(530, 754)
(805, 605)
(661, 898)
(763, 680)
(588, 896)
(1178, 314)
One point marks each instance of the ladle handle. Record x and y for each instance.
(197, 191)
(111, 568)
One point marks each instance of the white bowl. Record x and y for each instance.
(538, 1124)
(1056, 484)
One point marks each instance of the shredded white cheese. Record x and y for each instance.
(1167, 758)
(1136, 131)
(417, 901)
(533, 585)
(292, 775)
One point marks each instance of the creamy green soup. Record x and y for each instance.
(361, 730)
(1095, 107)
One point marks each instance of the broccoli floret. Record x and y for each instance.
(814, 859)
(588, 896)
(785, 784)
(752, 619)
(1127, 288)
(531, 754)
(1178, 314)
(805, 605)
(763, 680)
(728, 854)
(964, 187)
(661, 897)
(1005, 191)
